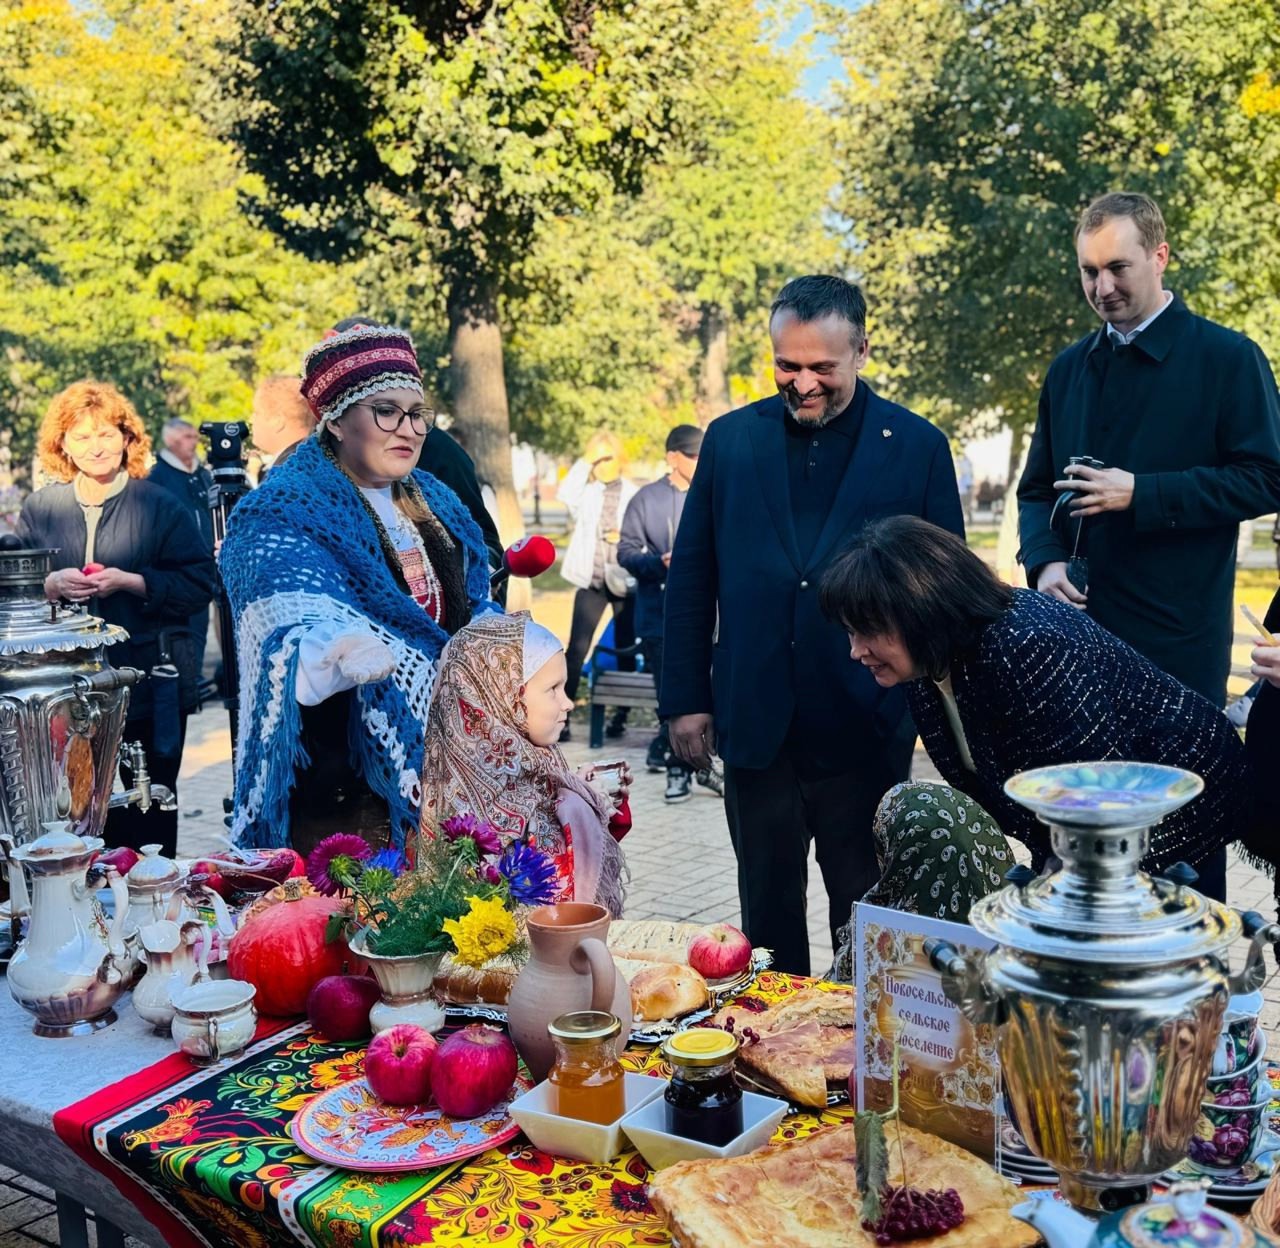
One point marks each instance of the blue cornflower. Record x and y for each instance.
(530, 874)
(386, 860)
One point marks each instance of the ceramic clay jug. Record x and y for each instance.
(569, 968)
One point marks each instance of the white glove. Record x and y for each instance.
(361, 657)
(330, 662)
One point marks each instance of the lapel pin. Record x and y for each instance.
(886, 433)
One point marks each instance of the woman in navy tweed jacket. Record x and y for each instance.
(1000, 680)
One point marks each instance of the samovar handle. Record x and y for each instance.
(963, 982)
(1261, 932)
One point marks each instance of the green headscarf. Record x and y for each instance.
(939, 852)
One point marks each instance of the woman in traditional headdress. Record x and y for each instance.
(347, 572)
(491, 753)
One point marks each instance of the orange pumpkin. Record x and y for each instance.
(282, 952)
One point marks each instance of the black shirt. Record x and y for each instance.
(817, 459)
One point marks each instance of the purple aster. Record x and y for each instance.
(531, 875)
(332, 858)
(484, 834)
(489, 873)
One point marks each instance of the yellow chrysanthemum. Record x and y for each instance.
(487, 930)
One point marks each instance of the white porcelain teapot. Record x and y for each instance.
(72, 967)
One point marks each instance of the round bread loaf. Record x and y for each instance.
(466, 985)
(661, 992)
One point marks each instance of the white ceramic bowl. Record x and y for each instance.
(646, 1129)
(572, 1137)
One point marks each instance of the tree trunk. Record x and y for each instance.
(713, 374)
(479, 399)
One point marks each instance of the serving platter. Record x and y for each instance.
(350, 1128)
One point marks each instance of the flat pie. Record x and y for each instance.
(804, 1194)
(651, 940)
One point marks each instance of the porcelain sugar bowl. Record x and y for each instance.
(72, 967)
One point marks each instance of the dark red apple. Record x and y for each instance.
(122, 858)
(398, 1064)
(338, 1006)
(474, 1069)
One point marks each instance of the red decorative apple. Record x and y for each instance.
(338, 1006)
(720, 952)
(399, 1063)
(122, 858)
(474, 1069)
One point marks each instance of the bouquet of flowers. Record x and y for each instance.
(466, 897)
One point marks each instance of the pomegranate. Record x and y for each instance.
(474, 1069)
(399, 1063)
(338, 1006)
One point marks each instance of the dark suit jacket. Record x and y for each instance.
(1191, 410)
(736, 553)
(1045, 685)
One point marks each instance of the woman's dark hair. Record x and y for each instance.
(906, 576)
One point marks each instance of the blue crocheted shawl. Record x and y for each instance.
(303, 549)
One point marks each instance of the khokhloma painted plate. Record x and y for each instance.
(349, 1127)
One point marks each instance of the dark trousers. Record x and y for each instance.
(651, 648)
(588, 607)
(775, 813)
(127, 825)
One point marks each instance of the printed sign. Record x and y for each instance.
(949, 1071)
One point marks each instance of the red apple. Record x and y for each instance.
(720, 952)
(398, 1064)
(338, 1006)
(206, 873)
(474, 1069)
(122, 858)
(90, 568)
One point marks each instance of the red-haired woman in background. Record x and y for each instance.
(128, 551)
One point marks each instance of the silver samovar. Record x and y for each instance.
(1107, 986)
(62, 705)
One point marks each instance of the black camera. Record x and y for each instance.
(226, 443)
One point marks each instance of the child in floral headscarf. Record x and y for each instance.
(496, 714)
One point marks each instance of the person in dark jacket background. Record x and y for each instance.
(1003, 680)
(1185, 417)
(180, 471)
(131, 554)
(648, 537)
(809, 743)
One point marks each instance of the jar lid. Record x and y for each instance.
(583, 1026)
(700, 1046)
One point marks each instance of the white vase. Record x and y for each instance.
(407, 984)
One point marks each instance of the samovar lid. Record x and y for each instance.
(1100, 907)
(28, 624)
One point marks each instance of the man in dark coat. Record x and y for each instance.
(648, 537)
(1184, 415)
(179, 470)
(810, 743)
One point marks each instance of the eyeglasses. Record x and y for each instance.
(390, 416)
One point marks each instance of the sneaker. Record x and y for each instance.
(712, 778)
(677, 786)
(655, 760)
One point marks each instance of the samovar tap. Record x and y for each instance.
(964, 984)
(143, 793)
(1261, 933)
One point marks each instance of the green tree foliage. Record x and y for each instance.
(479, 126)
(125, 255)
(971, 134)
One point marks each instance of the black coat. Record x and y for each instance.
(1262, 743)
(649, 527)
(143, 529)
(1191, 410)
(1045, 685)
(191, 489)
(445, 460)
(736, 554)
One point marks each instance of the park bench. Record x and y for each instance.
(614, 688)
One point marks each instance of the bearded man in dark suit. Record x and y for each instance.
(809, 741)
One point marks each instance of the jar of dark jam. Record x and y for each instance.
(703, 1101)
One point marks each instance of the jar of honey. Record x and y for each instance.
(587, 1080)
(703, 1101)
